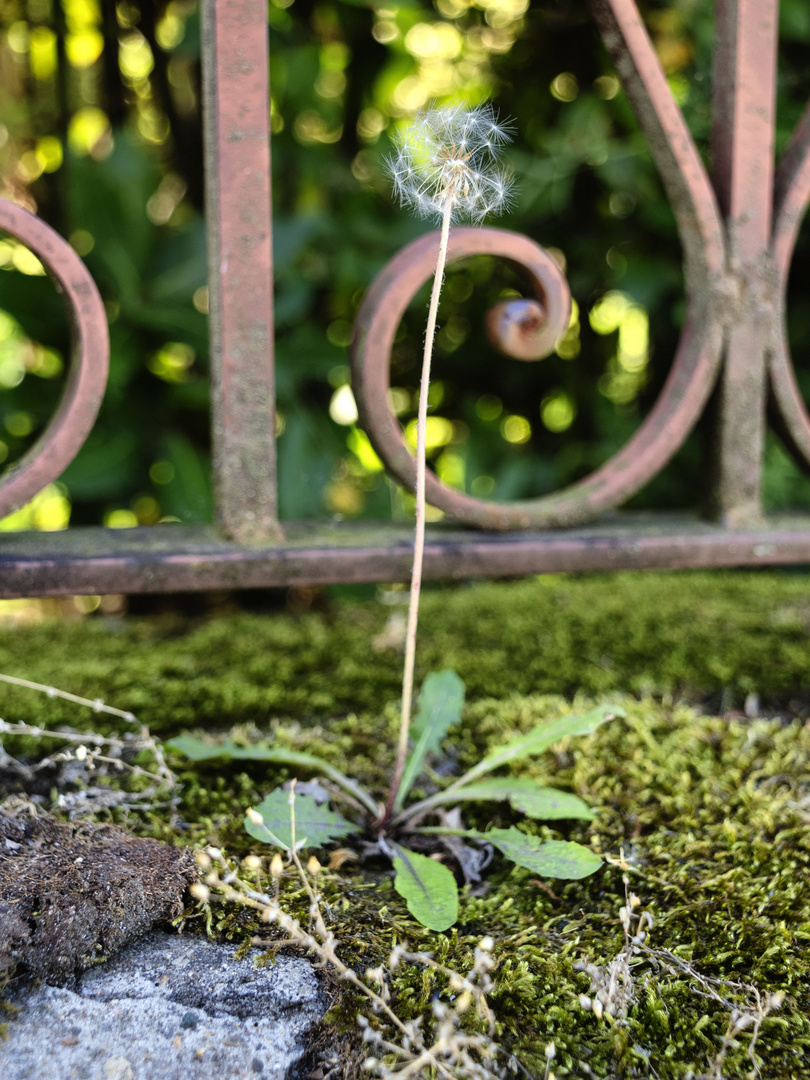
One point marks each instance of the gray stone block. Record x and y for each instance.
(168, 1008)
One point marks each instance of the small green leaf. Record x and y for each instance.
(428, 887)
(550, 858)
(526, 796)
(540, 738)
(440, 704)
(315, 825)
(197, 750)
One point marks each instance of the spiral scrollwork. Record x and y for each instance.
(524, 328)
(792, 195)
(528, 328)
(87, 377)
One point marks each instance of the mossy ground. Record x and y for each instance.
(710, 807)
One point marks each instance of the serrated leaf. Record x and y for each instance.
(440, 704)
(524, 795)
(541, 737)
(315, 825)
(549, 858)
(428, 888)
(197, 750)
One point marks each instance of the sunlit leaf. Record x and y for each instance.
(315, 824)
(549, 858)
(541, 737)
(428, 888)
(440, 704)
(197, 750)
(524, 795)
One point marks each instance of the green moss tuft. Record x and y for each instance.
(633, 633)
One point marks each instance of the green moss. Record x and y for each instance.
(711, 816)
(637, 633)
(710, 812)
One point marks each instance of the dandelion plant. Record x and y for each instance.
(445, 167)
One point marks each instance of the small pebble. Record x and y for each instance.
(118, 1069)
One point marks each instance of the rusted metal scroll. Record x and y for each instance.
(734, 267)
(73, 421)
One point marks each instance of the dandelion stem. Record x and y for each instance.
(419, 540)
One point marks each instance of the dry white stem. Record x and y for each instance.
(88, 753)
(401, 1048)
(96, 705)
(612, 988)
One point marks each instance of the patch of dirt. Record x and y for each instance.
(72, 895)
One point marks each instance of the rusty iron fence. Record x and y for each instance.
(738, 228)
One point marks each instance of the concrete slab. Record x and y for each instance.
(170, 1007)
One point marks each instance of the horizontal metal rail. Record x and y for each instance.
(187, 559)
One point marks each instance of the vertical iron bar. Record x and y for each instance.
(240, 276)
(742, 171)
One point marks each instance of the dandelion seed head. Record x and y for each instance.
(449, 155)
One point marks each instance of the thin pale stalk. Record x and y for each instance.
(52, 692)
(419, 540)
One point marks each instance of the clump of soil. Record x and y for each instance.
(71, 895)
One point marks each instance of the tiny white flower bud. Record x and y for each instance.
(598, 1008)
(200, 892)
(551, 1051)
(585, 1002)
(81, 753)
(255, 816)
(463, 1003)
(276, 866)
(252, 862)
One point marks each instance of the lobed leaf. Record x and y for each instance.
(315, 824)
(440, 704)
(550, 858)
(428, 888)
(524, 795)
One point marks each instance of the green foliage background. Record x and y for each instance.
(100, 134)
